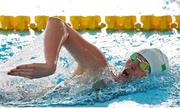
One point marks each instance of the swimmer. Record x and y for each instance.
(89, 58)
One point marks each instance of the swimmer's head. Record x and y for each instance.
(143, 63)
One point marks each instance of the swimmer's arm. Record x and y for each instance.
(78, 70)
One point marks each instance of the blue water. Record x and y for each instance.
(161, 89)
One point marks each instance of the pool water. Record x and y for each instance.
(156, 90)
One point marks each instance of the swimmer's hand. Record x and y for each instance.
(34, 70)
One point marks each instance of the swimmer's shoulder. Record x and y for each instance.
(105, 79)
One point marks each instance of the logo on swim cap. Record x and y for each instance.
(163, 67)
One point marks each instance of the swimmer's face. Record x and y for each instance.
(132, 69)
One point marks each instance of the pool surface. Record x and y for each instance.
(156, 90)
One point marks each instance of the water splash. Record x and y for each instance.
(116, 47)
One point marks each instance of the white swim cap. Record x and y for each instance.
(157, 60)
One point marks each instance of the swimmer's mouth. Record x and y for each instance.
(125, 73)
(125, 76)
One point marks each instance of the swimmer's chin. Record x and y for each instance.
(121, 78)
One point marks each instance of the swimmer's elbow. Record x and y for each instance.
(53, 19)
(52, 71)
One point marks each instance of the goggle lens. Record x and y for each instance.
(143, 65)
(134, 57)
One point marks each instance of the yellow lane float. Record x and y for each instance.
(40, 23)
(120, 22)
(159, 23)
(93, 23)
(6, 23)
(22, 23)
(146, 21)
(178, 22)
(75, 21)
(86, 22)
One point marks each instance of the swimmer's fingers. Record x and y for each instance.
(16, 71)
(22, 72)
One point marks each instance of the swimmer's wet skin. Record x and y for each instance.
(88, 57)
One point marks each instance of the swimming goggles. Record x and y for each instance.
(142, 64)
